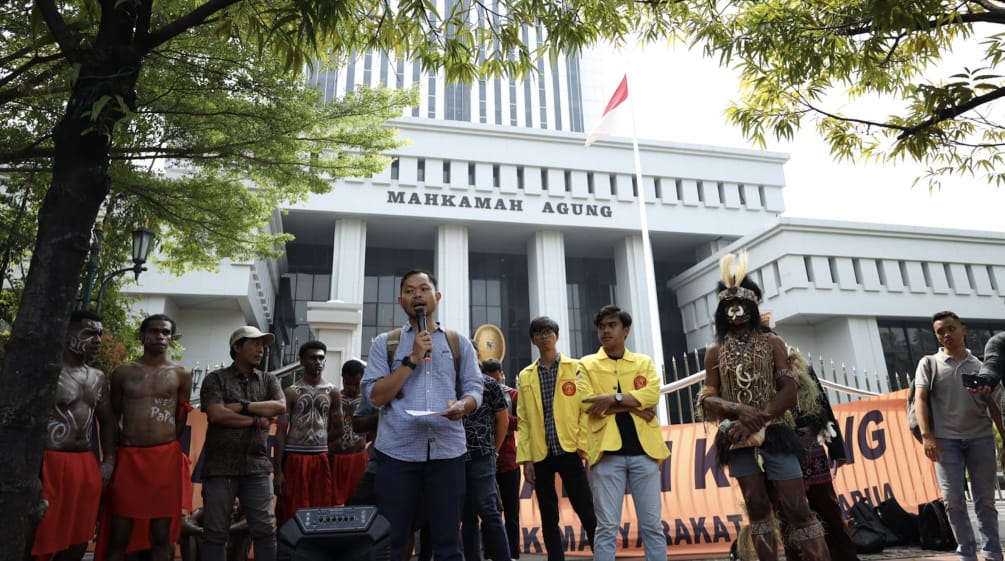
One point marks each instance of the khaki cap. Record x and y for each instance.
(249, 332)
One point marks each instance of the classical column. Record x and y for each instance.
(349, 259)
(631, 292)
(451, 270)
(348, 266)
(631, 295)
(548, 290)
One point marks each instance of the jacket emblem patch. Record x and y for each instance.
(569, 388)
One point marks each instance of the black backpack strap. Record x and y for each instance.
(933, 369)
(454, 342)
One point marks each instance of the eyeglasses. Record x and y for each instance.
(542, 333)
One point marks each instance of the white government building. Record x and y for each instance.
(496, 194)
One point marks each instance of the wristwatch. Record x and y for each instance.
(407, 361)
(618, 397)
(244, 406)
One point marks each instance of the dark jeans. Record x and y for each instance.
(577, 487)
(255, 492)
(480, 501)
(509, 494)
(441, 482)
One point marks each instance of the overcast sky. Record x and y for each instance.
(680, 96)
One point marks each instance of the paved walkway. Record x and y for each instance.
(887, 554)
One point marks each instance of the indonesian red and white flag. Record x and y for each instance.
(610, 118)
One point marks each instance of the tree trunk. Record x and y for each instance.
(32, 364)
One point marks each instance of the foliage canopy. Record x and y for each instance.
(814, 62)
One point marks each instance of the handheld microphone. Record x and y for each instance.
(420, 319)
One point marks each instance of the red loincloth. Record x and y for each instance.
(308, 484)
(71, 482)
(347, 471)
(148, 483)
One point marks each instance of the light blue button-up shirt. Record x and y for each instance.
(431, 385)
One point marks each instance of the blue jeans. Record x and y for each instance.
(975, 456)
(440, 483)
(481, 501)
(255, 492)
(642, 474)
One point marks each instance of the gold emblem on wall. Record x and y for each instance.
(490, 342)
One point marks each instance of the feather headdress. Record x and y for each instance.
(733, 267)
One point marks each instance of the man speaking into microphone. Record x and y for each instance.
(424, 379)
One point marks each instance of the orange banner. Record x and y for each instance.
(702, 510)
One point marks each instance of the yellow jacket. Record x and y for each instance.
(636, 373)
(530, 442)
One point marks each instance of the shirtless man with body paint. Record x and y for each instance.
(72, 479)
(150, 397)
(302, 473)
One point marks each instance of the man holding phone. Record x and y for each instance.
(958, 435)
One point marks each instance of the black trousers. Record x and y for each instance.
(577, 487)
(509, 494)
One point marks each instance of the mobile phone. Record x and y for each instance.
(973, 381)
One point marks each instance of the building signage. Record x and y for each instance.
(495, 203)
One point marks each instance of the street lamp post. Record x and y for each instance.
(142, 243)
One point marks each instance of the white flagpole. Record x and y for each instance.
(647, 256)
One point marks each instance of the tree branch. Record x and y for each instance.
(866, 122)
(5, 60)
(997, 16)
(35, 80)
(143, 21)
(178, 26)
(60, 31)
(29, 152)
(952, 112)
(987, 5)
(866, 27)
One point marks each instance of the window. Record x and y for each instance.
(350, 76)
(431, 97)
(500, 296)
(381, 282)
(456, 102)
(575, 95)
(557, 96)
(590, 284)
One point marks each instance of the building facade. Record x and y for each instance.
(497, 196)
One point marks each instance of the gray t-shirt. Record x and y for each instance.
(956, 413)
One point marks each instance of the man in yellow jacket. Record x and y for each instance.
(549, 424)
(618, 390)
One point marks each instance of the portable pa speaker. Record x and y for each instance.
(352, 533)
